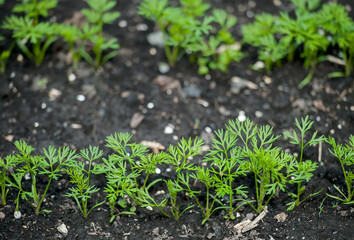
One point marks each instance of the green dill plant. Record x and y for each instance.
(5, 55)
(179, 158)
(80, 177)
(98, 15)
(124, 170)
(220, 49)
(226, 166)
(345, 155)
(301, 170)
(7, 165)
(52, 165)
(181, 26)
(304, 31)
(335, 20)
(28, 30)
(262, 34)
(266, 162)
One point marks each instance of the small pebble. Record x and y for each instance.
(158, 170)
(150, 105)
(208, 129)
(2, 215)
(62, 229)
(122, 23)
(241, 116)
(259, 114)
(17, 214)
(142, 27)
(43, 106)
(36, 124)
(163, 67)
(168, 129)
(71, 77)
(149, 208)
(80, 98)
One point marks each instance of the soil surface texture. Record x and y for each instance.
(53, 104)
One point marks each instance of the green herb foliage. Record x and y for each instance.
(262, 34)
(262, 159)
(28, 28)
(345, 155)
(98, 14)
(124, 170)
(80, 177)
(6, 166)
(179, 158)
(187, 29)
(301, 170)
(51, 165)
(336, 22)
(226, 166)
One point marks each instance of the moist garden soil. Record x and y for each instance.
(93, 104)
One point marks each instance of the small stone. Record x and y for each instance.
(192, 91)
(76, 126)
(122, 23)
(136, 120)
(157, 170)
(71, 77)
(169, 129)
(163, 67)
(149, 208)
(160, 192)
(63, 229)
(249, 216)
(258, 114)
(237, 84)
(281, 217)
(259, 65)
(2, 215)
(208, 129)
(80, 98)
(150, 105)
(156, 231)
(142, 27)
(241, 116)
(267, 80)
(54, 94)
(9, 138)
(17, 214)
(156, 39)
(27, 176)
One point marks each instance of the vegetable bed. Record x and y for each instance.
(132, 140)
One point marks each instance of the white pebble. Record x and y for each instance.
(168, 169)
(208, 129)
(27, 176)
(241, 116)
(36, 124)
(71, 77)
(168, 129)
(175, 137)
(149, 208)
(150, 105)
(62, 229)
(122, 23)
(81, 98)
(259, 114)
(17, 214)
(43, 106)
(142, 27)
(158, 170)
(163, 67)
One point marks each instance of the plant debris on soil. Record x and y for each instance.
(56, 105)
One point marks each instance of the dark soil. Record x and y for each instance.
(125, 86)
